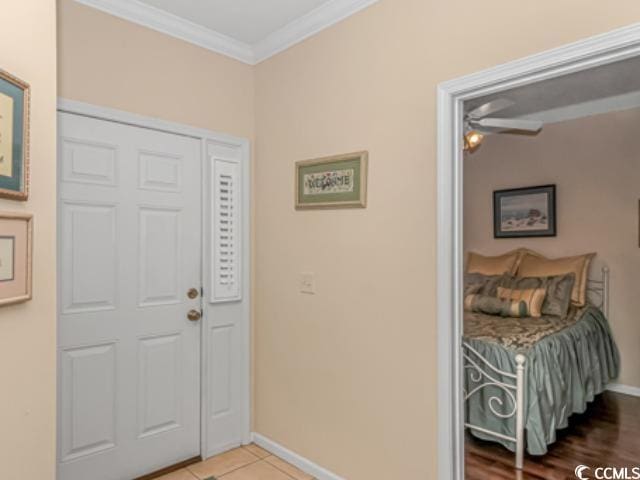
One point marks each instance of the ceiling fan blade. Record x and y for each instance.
(509, 124)
(488, 131)
(489, 108)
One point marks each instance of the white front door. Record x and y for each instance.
(129, 252)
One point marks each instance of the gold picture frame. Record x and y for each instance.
(339, 181)
(16, 257)
(14, 137)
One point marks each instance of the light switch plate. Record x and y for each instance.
(308, 283)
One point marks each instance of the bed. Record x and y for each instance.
(524, 377)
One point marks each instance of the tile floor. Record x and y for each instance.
(245, 463)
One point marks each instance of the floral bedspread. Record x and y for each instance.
(516, 333)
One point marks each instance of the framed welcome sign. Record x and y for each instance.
(332, 182)
(14, 137)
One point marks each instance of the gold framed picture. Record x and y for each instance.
(16, 244)
(14, 137)
(332, 182)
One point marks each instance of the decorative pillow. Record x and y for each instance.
(533, 298)
(558, 291)
(497, 265)
(538, 266)
(482, 284)
(495, 306)
(522, 251)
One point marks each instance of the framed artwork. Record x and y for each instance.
(16, 237)
(525, 212)
(14, 137)
(332, 182)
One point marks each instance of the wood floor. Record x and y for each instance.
(607, 434)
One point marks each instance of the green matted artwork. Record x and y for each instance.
(14, 137)
(332, 182)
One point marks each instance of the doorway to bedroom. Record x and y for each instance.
(539, 244)
(552, 255)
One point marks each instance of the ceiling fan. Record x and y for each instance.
(478, 123)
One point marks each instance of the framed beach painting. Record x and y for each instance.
(14, 137)
(16, 238)
(525, 212)
(332, 182)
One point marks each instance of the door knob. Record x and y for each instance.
(192, 293)
(194, 315)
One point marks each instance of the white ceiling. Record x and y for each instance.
(247, 30)
(603, 89)
(248, 21)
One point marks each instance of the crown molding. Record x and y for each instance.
(294, 32)
(315, 21)
(169, 24)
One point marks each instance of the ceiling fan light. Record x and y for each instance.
(472, 139)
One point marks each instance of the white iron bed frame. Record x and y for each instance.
(513, 385)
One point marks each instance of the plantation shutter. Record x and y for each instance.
(226, 234)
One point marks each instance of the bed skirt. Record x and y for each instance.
(563, 373)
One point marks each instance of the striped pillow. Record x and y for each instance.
(532, 297)
(495, 306)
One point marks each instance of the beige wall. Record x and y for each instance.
(28, 330)
(345, 377)
(107, 61)
(348, 377)
(594, 163)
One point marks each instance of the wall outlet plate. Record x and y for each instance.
(308, 283)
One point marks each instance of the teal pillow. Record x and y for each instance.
(482, 284)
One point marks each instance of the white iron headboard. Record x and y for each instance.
(598, 291)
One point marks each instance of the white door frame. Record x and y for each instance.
(592, 52)
(204, 136)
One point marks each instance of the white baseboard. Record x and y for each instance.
(293, 458)
(626, 389)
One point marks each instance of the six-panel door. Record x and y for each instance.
(130, 250)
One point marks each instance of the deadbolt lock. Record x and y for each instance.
(192, 293)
